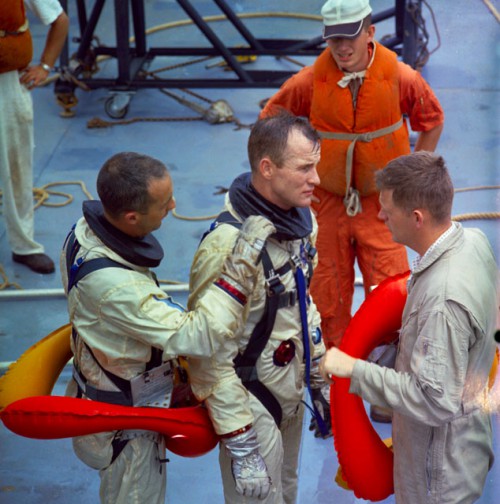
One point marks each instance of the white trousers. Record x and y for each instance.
(280, 449)
(16, 163)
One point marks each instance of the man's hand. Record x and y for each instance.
(252, 237)
(248, 466)
(33, 76)
(240, 268)
(321, 399)
(336, 363)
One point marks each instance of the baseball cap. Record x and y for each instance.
(344, 18)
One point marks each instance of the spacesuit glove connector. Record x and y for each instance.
(240, 267)
(321, 399)
(248, 467)
(320, 396)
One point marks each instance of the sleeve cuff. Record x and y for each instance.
(357, 374)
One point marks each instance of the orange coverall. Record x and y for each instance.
(388, 85)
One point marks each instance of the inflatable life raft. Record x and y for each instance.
(28, 409)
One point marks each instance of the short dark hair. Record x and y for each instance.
(419, 180)
(123, 182)
(269, 137)
(367, 22)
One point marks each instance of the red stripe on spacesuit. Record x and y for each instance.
(231, 290)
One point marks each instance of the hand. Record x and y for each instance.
(254, 233)
(33, 76)
(250, 476)
(241, 267)
(248, 466)
(336, 363)
(321, 400)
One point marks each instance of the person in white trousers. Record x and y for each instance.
(18, 76)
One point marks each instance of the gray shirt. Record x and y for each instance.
(438, 389)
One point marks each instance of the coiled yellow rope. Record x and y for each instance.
(42, 194)
(476, 215)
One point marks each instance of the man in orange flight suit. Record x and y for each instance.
(355, 95)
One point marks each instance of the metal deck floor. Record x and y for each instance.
(464, 73)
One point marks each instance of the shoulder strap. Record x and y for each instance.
(227, 217)
(72, 246)
(86, 267)
(223, 218)
(245, 363)
(79, 268)
(263, 329)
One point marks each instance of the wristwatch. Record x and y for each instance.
(46, 67)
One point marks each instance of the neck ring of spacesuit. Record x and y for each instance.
(145, 251)
(290, 224)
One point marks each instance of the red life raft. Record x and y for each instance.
(28, 409)
(365, 459)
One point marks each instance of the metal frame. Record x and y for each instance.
(132, 59)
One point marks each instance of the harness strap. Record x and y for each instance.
(90, 266)
(24, 27)
(301, 287)
(263, 329)
(265, 396)
(245, 363)
(118, 444)
(276, 298)
(122, 397)
(72, 246)
(287, 298)
(119, 398)
(352, 200)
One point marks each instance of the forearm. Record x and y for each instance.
(155, 320)
(210, 326)
(428, 140)
(56, 37)
(36, 74)
(229, 407)
(294, 96)
(215, 381)
(402, 392)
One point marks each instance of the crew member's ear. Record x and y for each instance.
(419, 218)
(266, 168)
(130, 217)
(371, 33)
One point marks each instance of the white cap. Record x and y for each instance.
(344, 18)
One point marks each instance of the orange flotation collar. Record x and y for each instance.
(366, 461)
(27, 409)
(188, 431)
